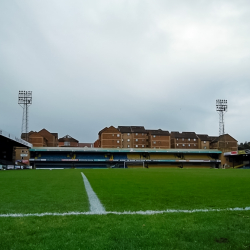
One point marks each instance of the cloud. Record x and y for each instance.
(93, 64)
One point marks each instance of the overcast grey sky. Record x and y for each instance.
(158, 64)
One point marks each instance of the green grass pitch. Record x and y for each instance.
(39, 191)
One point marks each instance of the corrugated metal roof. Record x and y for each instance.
(125, 150)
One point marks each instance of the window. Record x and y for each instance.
(205, 147)
(128, 139)
(118, 147)
(128, 133)
(188, 139)
(142, 139)
(183, 145)
(154, 142)
(128, 146)
(194, 139)
(136, 139)
(136, 133)
(194, 144)
(177, 145)
(142, 134)
(66, 143)
(136, 146)
(189, 145)
(143, 146)
(177, 139)
(205, 142)
(118, 141)
(182, 139)
(154, 136)
(112, 134)
(118, 135)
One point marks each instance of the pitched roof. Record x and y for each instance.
(132, 129)
(124, 129)
(67, 138)
(138, 129)
(204, 137)
(158, 132)
(111, 128)
(191, 135)
(221, 137)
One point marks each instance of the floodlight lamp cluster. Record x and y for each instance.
(25, 97)
(221, 105)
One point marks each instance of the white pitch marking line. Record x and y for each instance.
(148, 212)
(96, 206)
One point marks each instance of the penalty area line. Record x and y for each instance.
(147, 212)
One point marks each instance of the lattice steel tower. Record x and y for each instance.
(221, 108)
(25, 100)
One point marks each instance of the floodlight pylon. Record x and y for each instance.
(221, 108)
(25, 100)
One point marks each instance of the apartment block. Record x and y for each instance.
(110, 138)
(184, 140)
(224, 142)
(158, 139)
(139, 137)
(68, 141)
(133, 136)
(43, 138)
(204, 141)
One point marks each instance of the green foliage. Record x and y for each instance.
(245, 145)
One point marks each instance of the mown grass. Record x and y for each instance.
(161, 189)
(214, 230)
(119, 190)
(38, 191)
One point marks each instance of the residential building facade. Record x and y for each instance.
(159, 139)
(68, 141)
(110, 138)
(184, 140)
(43, 138)
(204, 141)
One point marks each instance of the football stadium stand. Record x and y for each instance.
(8, 142)
(121, 158)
